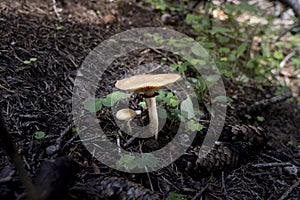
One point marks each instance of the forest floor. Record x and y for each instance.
(38, 97)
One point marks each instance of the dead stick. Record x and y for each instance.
(224, 186)
(274, 164)
(258, 106)
(11, 149)
(198, 195)
(284, 196)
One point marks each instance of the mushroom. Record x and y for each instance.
(148, 84)
(126, 115)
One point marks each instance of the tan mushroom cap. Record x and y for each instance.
(146, 83)
(125, 114)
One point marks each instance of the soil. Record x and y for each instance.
(38, 97)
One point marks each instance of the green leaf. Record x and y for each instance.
(202, 84)
(26, 62)
(223, 99)
(182, 68)
(187, 106)
(177, 113)
(222, 39)
(93, 105)
(147, 160)
(193, 126)
(143, 104)
(114, 97)
(278, 55)
(127, 161)
(248, 116)
(33, 59)
(241, 49)
(209, 45)
(175, 196)
(192, 18)
(161, 96)
(224, 50)
(173, 66)
(296, 61)
(174, 101)
(59, 27)
(39, 135)
(75, 130)
(260, 118)
(220, 30)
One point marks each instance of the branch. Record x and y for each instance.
(258, 106)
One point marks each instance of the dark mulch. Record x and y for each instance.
(37, 97)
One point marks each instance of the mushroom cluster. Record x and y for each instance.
(148, 84)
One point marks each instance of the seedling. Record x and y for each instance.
(260, 118)
(27, 62)
(131, 162)
(193, 126)
(39, 135)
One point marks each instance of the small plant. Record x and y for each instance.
(248, 116)
(175, 196)
(74, 130)
(180, 66)
(185, 114)
(27, 62)
(158, 4)
(131, 162)
(39, 135)
(260, 118)
(167, 98)
(111, 99)
(127, 161)
(193, 126)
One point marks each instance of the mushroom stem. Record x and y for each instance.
(128, 127)
(153, 118)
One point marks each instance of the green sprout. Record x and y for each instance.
(39, 135)
(27, 62)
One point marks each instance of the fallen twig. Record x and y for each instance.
(259, 105)
(131, 140)
(62, 134)
(274, 164)
(198, 195)
(224, 186)
(285, 32)
(289, 190)
(55, 10)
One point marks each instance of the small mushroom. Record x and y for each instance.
(126, 115)
(148, 84)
